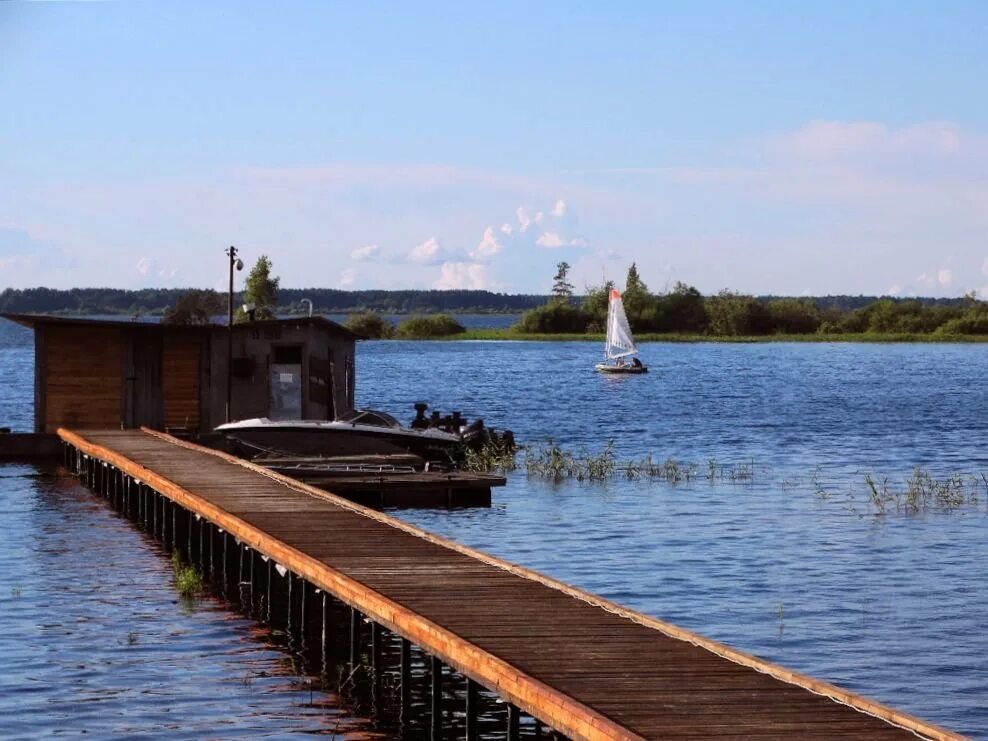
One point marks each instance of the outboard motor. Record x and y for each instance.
(420, 422)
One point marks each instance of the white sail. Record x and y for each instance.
(619, 340)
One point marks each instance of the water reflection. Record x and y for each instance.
(96, 639)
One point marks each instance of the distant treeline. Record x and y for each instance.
(684, 310)
(84, 301)
(289, 301)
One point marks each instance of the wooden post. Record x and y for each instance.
(224, 564)
(406, 682)
(202, 546)
(267, 599)
(472, 710)
(288, 607)
(324, 635)
(513, 725)
(241, 572)
(211, 534)
(376, 662)
(436, 716)
(354, 639)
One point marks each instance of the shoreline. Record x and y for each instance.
(508, 335)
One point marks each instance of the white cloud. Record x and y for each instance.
(944, 277)
(894, 290)
(984, 266)
(559, 210)
(347, 278)
(488, 247)
(523, 219)
(507, 229)
(462, 275)
(551, 240)
(430, 252)
(366, 253)
(153, 271)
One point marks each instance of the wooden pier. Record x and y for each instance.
(580, 665)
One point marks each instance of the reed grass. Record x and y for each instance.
(187, 579)
(923, 491)
(552, 462)
(495, 456)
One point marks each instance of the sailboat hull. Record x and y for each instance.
(628, 370)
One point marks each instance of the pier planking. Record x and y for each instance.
(580, 664)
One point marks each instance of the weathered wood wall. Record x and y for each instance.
(181, 362)
(83, 377)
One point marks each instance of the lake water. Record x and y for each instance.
(791, 562)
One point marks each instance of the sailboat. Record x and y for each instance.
(619, 345)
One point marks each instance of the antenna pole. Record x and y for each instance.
(232, 252)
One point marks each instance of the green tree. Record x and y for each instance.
(596, 303)
(261, 290)
(734, 314)
(681, 310)
(562, 289)
(639, 304)
(194, 307)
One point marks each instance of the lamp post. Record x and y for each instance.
(237, 263)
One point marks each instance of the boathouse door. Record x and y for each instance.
(286, 383)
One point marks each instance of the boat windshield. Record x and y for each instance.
(369, 417)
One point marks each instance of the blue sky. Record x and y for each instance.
(766, 147)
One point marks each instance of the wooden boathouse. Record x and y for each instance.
(372, 592)
(127, 374)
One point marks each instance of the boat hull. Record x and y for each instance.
(342, 440)
(621, 370)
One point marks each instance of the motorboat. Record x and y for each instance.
(361, 433)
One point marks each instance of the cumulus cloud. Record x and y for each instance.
(366, 253)
(430, 252)
(523, 219)
(462, 275)
(550, 240)
(944, 277)
(347, 278)
(559, 210)
(488, 247)
(894, 290)
(154, 272)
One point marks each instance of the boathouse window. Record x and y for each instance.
(286, 382)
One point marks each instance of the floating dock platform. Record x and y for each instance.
(565, 662)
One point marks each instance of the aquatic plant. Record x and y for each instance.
(187, 579)
(425, 327)
(494, 456)
(550, 461)
(924, 491)
(370, 325)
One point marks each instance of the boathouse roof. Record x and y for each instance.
(32, 320)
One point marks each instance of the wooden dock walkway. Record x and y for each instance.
(581, 665)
